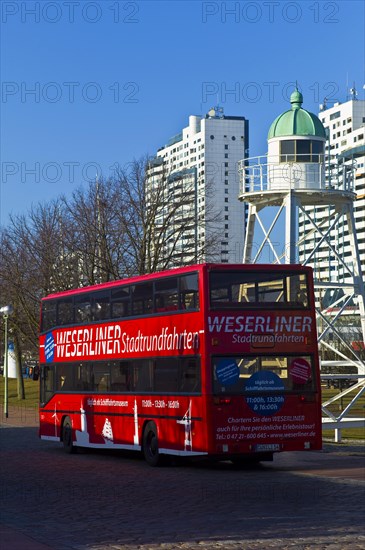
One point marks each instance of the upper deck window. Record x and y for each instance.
(167, 295)
(49, 314)
(241, 289)
(175, 294)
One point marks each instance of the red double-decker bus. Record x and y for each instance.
(211, 360)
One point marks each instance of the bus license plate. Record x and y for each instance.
(269, 447)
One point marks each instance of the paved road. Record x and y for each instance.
(104, 501)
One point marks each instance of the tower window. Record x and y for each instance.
(301, 150)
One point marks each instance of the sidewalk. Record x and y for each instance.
(10, 538)
(19, 416)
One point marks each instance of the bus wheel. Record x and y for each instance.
(150, 445)
(67, 436)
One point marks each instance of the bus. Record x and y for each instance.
(214, 361)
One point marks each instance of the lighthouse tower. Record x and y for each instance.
(288, 182)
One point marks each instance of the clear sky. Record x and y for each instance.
(89, 84)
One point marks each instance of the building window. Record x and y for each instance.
(233, 138)
(337, 114)
(212, 137)
(226, 146)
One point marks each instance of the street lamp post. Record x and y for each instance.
(5, 311)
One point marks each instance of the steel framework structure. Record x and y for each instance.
(290, 198)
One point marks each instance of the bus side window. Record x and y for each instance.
(189, 291)
(101, 306)
(166, 295)
(64, 378)
(190, 377)
(48, 315)
(142, 379)
(120, 378)
(65, 313)
(120, 302)
(190, 299)
(83, 381)
(142, 299)
(82, 308)
(166, 375)
(101, 373)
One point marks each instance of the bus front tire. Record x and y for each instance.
(150, 445)
(68, 445)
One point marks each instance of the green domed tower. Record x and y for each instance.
(284, 191)
(296, 121)
(296, 148)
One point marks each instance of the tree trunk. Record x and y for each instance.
(19, 374)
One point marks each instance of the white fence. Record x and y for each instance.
(343, 420)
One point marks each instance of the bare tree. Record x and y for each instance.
(159, 218)
(29, 269)
(140, 221)
(91, 233)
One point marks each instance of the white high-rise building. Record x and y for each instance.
(344, 154)
(200, 168)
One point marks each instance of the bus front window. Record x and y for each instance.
(258, 290)
(235, 374)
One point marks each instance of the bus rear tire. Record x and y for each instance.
(150, 445)
(68, 445)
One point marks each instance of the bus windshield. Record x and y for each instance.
(262, 373)
(258, 289)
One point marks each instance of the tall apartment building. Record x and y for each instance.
(344, 152)
(199, 167)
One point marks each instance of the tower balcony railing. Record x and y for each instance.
(283, 172)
